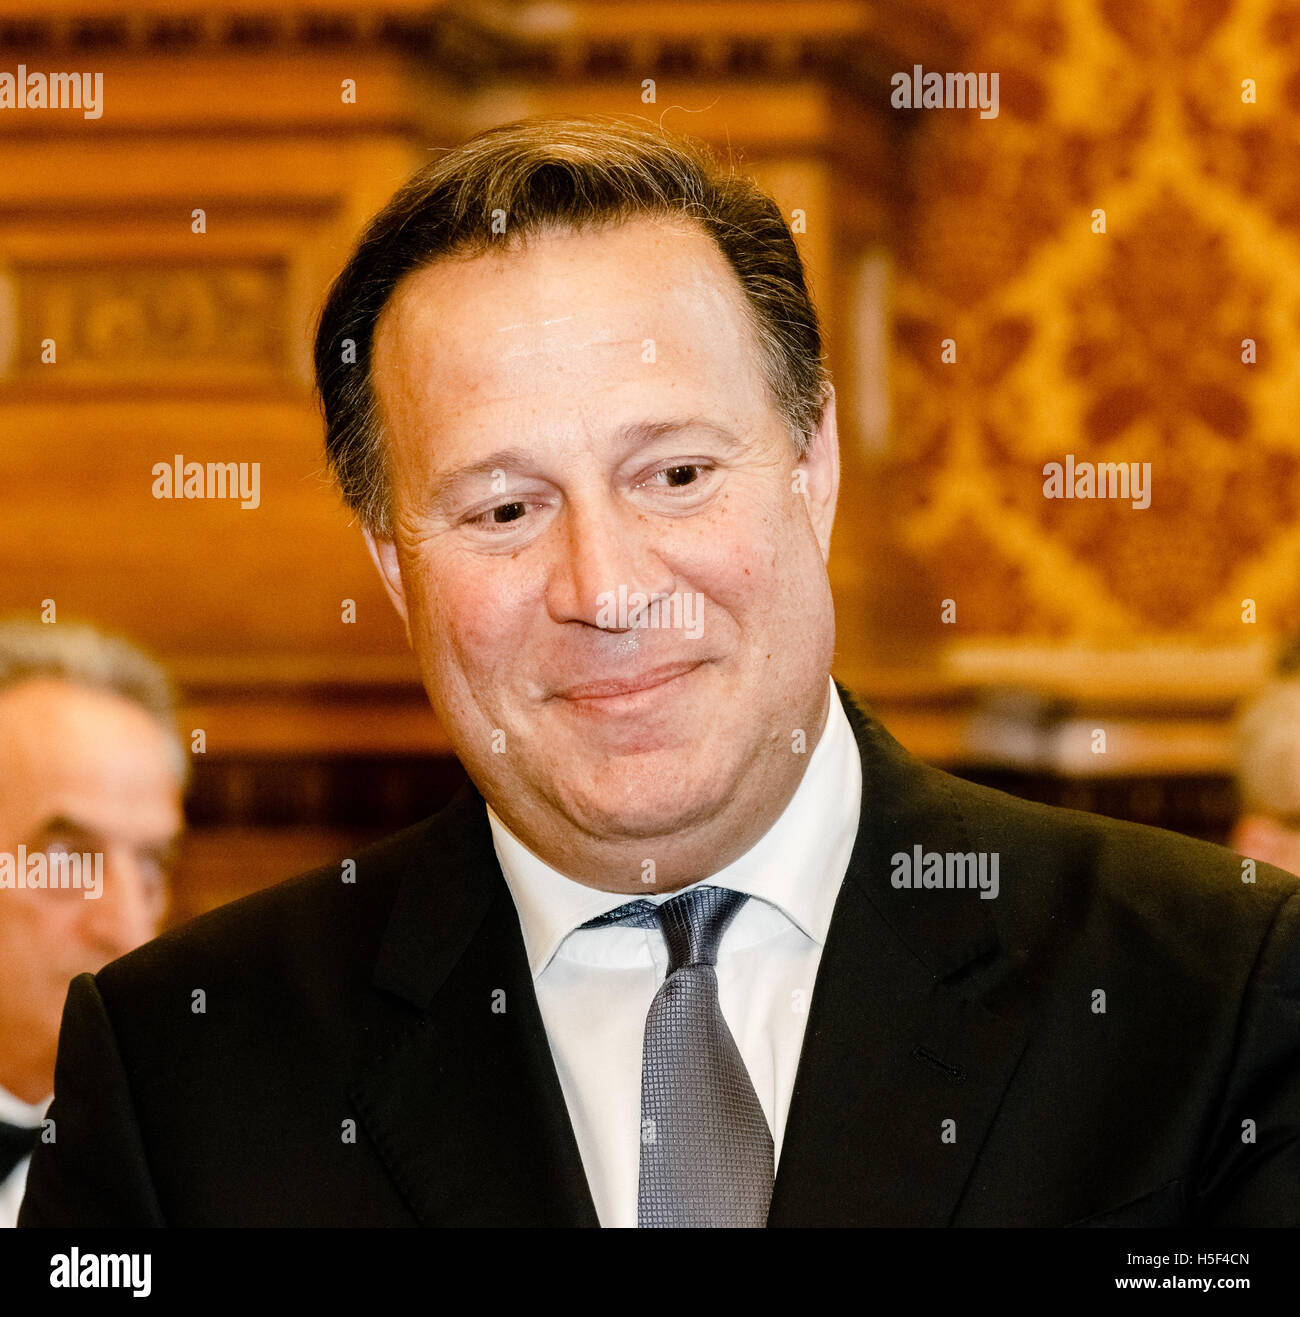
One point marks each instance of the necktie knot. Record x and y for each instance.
(692, 923)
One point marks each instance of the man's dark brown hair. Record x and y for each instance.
(542, 175)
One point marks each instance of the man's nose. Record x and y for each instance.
(125, 914)
(603, 553)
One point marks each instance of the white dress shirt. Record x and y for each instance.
(594, 986)
(16, 1112)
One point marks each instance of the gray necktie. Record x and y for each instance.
(706, 1151)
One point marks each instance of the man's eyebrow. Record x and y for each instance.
(641, 433)
(442, 486)
(635, 435)
(63, 824)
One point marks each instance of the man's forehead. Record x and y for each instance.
(565, 291)
(68, 728)
(48, 698)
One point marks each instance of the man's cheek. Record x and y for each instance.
(437, 603)
(470, 630)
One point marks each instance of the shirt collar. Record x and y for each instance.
(796, 866)
(15, 1111)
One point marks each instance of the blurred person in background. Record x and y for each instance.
(1268, 774)
(91, 779)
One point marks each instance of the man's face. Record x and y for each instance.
(570, 425)
(83, 771)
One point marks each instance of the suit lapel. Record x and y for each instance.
(462, 1100)
(894, 1047)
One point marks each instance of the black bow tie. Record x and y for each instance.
(16, 1141)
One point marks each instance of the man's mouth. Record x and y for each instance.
(592, 693)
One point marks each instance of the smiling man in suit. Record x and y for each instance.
(701, 944)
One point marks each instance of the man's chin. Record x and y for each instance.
(643, 805)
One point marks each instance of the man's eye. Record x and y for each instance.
(677, 477)
(501, 515)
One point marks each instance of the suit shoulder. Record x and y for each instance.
(1106, 841)
(1048, 852)
(316, 917)
(1166, 881)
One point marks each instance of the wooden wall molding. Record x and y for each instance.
(854, 43)
(149, 324)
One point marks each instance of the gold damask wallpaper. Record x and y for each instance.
(1116, 260)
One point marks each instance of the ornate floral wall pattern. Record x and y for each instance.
(1126, 345)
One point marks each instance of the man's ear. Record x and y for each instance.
(821, 475)
(383, 553)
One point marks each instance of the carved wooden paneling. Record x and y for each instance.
(175, 342)
(152, 325)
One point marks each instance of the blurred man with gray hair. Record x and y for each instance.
(1268, 775)
(91, 777)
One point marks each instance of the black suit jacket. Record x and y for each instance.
(348, 1066)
